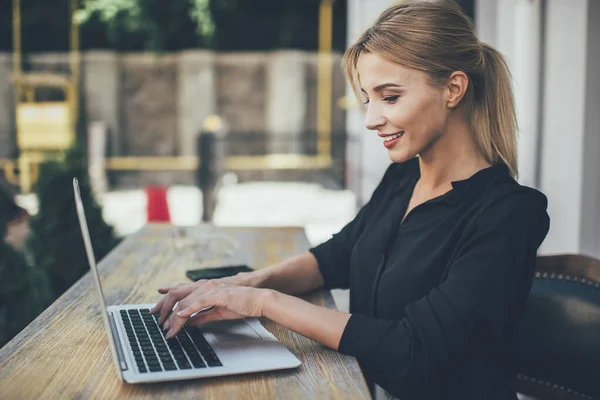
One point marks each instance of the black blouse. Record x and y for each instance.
(435, 299)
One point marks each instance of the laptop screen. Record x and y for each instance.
(92, 261)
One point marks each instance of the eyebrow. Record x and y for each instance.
(383, 86)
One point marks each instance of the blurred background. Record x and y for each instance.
(237, 113)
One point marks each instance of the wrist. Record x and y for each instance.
(268, 297)
(259, 278)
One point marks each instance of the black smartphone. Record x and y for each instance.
(217, 272)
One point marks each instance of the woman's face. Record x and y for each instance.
(406, 111)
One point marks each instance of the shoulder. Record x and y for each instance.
(505, 204)
(507, 194)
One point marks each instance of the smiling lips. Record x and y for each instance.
(390, 141)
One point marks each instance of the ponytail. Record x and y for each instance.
(495, 119)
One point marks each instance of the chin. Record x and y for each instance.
(400, 156)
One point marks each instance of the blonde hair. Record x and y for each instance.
(438, 39)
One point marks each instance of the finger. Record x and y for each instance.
(177, 321)
(179, 293)
(158, 306)
(165, 311)
(169, 302)
(204, 317)
(188, 312)
(202, 305)
(174, 324)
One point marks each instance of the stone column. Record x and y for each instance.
(195, 96)
(101, 90)
(7, 109)
(286, 101)
(570, 165)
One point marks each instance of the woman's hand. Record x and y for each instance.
(225, 300)
(182, 290)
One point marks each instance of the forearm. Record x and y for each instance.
(294, 276)
(320, 324)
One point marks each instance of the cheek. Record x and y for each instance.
(424, 117)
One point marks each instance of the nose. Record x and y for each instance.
(374, 120)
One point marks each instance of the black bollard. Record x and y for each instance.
(209, 148)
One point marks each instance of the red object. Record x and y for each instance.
(158, 208)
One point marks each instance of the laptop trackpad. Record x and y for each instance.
(229, 331)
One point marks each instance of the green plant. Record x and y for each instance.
(24, 290)
(55, 242)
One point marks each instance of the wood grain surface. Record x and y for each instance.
(64, 353)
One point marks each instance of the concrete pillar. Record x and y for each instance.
(101, 78)
(286, 101)
(367, 158)
(7, 110)
(97, 157)
(195, 96)
(571, 126)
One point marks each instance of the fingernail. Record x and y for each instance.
(169, 334)
(181, 313)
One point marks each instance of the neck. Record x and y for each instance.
(454, 156)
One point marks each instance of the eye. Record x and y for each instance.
(366, 102)
(391, 99)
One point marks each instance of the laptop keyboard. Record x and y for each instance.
(152, 352)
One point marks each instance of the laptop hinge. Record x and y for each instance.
(115, 335)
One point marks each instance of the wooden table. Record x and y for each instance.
(64, 353)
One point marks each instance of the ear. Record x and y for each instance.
(456, 88)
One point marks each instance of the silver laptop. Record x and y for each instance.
(142, 354)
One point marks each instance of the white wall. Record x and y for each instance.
(590, 228)
(563, 122)
(570, 166)
(368, 158)
(513, 27)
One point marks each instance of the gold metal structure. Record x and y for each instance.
(191, 163)
(8, 166)
(324, 78)
(45, 128)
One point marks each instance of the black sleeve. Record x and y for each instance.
(333, 255)
(485, 291)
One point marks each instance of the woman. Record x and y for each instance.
(440, 261)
